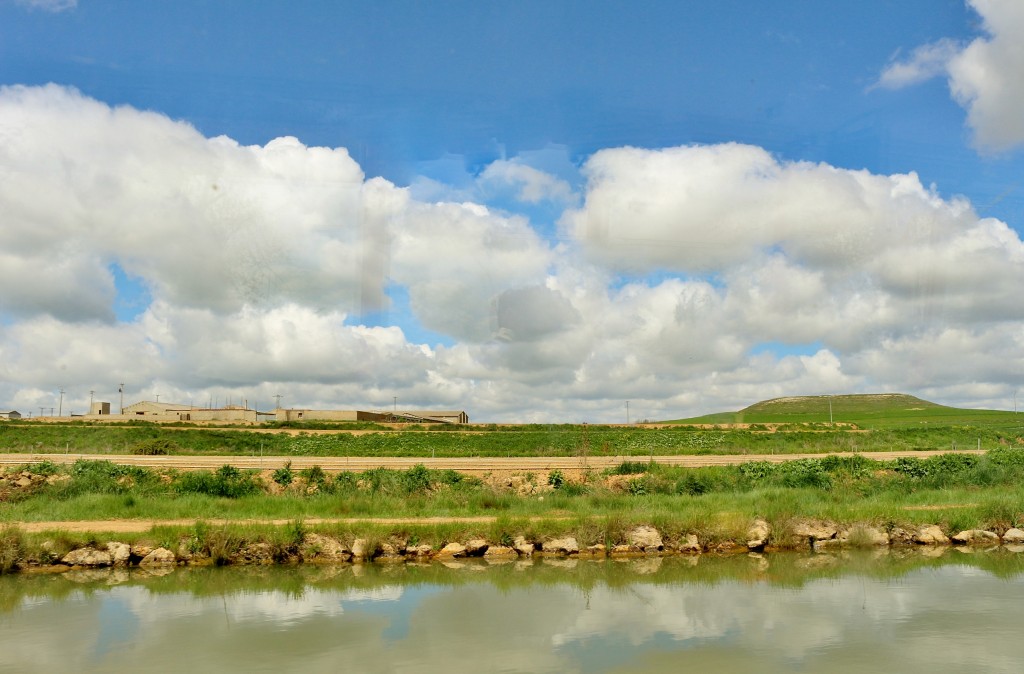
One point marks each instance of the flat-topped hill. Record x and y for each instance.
(864, 409)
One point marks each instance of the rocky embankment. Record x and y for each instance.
(221, 548)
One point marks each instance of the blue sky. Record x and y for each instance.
(457, 106)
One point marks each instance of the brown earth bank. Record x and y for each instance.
(207, 543)
(473, 466)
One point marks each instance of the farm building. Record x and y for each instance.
(13, 414)
(412, 416)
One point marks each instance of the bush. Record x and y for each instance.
(556, 479)
(417, 479)
(155, 447)
(12, 547)
(630, 468)
(284, 475)
(227, 482)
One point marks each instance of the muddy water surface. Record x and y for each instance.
(897, 611)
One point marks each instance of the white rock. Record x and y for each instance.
(646, 538)
(931, 535)
(88, 557)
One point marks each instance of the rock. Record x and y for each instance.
(120, 553)
(391, 551)
(563, 546)
(757, 535)
(141, 551)
(598, 550)
(814, 531)
(976, 537)
(256, 553)
(323, 549)
(494, 551)
(452, 550)
(23, 482)
(690, 544)
(623, 549)
(88, 557)
(476, 547)
(158, 557)
(646, 538)
(523, 547)
(1013, 536)
(359, 548)
(422, 550)
(930, 535)
(864, 536)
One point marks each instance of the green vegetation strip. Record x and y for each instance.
(499, 441)
(956, 491)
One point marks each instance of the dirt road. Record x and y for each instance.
(474, 466)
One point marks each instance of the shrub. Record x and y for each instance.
(556, 479)
(228, 482)
(630, 468)
(416, 479)
(12, 547)
(315, 477)
(757, 471)
(284, 475)
(155, 447)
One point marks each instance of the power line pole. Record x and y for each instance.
(120, 389)
(627, 413)
(278, 399)
(91, 393)
(60, 405)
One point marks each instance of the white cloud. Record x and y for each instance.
(688, 279)
(986, 76)
(924, 63)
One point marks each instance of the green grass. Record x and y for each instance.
(986, 490)
(882, 411)
(529, 440)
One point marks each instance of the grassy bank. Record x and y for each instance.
(954, 491)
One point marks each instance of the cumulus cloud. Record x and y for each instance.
(685, 279)
(986, 76)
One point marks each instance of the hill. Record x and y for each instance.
(869, 410)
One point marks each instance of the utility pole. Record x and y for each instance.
(41, 411)
(158, 397)
(120, 389)
(627, 413)
(91, 393)
(830, 423)
(60, 405)
(278, 399)
(394, 401)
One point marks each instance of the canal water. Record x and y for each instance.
(896, 611)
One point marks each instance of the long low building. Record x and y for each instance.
(398, 416)
(148, 410)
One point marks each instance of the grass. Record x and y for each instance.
(529, 440)
(961, 491)
(874, 411)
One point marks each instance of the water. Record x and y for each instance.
(779, 613)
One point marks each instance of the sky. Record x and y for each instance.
(533, 211)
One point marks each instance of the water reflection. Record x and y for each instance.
(836, 613)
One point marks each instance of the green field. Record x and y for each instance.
(867, 411)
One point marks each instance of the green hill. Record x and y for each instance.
(869, 410)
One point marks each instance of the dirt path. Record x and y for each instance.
(475, 466)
